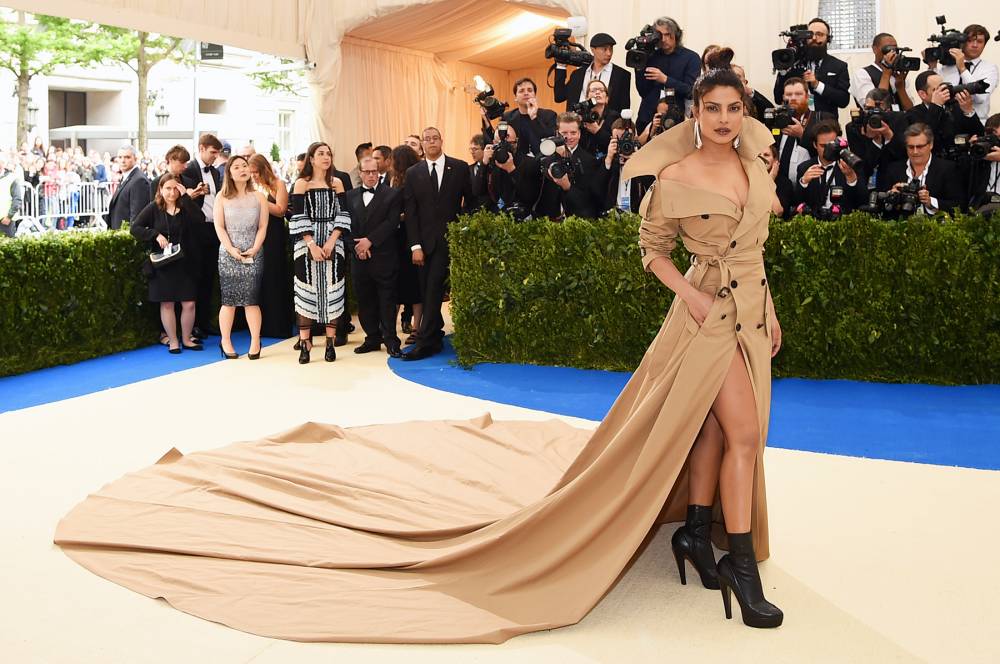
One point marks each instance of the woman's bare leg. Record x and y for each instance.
(704, 462)
(169, 321)
(736, 411)
(226, 317)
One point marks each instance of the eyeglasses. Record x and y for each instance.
(920, 146)
(369, 172)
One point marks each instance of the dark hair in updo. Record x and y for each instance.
(717, 78)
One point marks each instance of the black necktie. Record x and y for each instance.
(434, 177)
(786, 155)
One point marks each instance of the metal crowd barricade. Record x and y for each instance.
(78, 206)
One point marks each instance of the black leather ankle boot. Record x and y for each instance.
(738, 572)
(693, 541)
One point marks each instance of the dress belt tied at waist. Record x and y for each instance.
(701, 262)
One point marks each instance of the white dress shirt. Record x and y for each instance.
(439, 162)
(926, 209)
(208, 202)
(861, 85)
(975, 70)
(604, 75)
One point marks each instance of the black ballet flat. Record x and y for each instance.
(174, 351)
(194, 347)
(225, 355)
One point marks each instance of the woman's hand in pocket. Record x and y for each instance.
(698, 304)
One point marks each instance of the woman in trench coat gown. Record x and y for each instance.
(468, 531)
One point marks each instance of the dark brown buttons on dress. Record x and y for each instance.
(732, 245)
(704, 216)
(723, 292)
(723, 317)
(760, 325)
(763, 282)
(738, 327)
(733, 283)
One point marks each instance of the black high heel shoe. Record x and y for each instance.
(738, 573)
(331, 353)
(254, 356)
(225, 355)
(304, 347)
(693, 541)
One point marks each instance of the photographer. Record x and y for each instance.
(480, 198)
(596, 135)
(969, 67)
(796, 143)
(666, 116)
(530, 122)
(503, 181)
(884, 74)
(945, 115)
(986, 176)
(876, 135)
(617, 80)
(826, 76)
(573, 194)
(622, 195)
(760, 102)
(827, 184)
(672, 67)
(940, 185)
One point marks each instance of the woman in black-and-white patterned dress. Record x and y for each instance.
(317, 226)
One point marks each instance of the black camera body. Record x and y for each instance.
(673, 116)
(874, 118)
(895, 203)
(793, 55)
(494, 107)
(837, 149)
(639, 48)
(947, 40)
(565, 52)
(822, 214)
(974, 88)
(504, 149)
(777, 118)
(554, 163)
(585, 109)
(965, 150)
(903, 63)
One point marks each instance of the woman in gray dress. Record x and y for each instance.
(241, 224)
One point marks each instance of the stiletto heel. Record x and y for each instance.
(738, 572)
(693, 542)
(225, 355)
(254, 356)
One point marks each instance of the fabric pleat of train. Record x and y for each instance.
(448, 531)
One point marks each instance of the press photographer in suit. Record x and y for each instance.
(876, 135)
(433, 194)
(623, 196)
(617, 80)
(941, 186)
(503, 173)
(375, 210)
(796, 144)
(578, 191)
(944, 115)
(986, 172)
(827, 185)
(672, 67)
(531, 122)
(827, 76)
(132, 194)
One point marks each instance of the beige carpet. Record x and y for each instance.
(871, 561)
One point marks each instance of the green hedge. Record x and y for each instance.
(66, 297)
(858, 298)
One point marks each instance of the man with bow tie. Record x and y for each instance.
(132, 193)
(375, 208)
(826, 76)
(205, 181)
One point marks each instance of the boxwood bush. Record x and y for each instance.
(859, 298)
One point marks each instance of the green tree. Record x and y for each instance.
(284, 82)
(140, 51)
(33, 44)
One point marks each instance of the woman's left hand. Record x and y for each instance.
(775, 335)
(328, 250)
(250, 253)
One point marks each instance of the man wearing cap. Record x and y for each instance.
(617, 80)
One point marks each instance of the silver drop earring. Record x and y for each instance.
(736, 143)
(697, 135)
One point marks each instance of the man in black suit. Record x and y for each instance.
(945, 116)
(796, 144)
(618, 195)
(531, 122)
(479, 177)
(826, 187)
(205, 182)
(827, 76)
(882, 145)
(432, 198)
(580, 193)
(132, 193)
(617, 80)
(941, 186)
(375, 210)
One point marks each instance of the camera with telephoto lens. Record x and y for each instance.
(503, 148)
(902, 63)
(585, 109)
(793, 54)
(974, 88)
(554, 163)
(639, 48)
(565, 52)
(873, 118)
(831, 213)
(628, 142)
(964, 150)
(837, 149)
(893, 203)
(494, 107)
(947, 40)
(777, 118)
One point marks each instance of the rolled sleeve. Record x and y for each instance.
(657, 232)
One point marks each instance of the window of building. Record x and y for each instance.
(212, 106)
(853, 23)
(285, 119)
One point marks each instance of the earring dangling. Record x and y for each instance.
(697, 135)
(736, 143)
